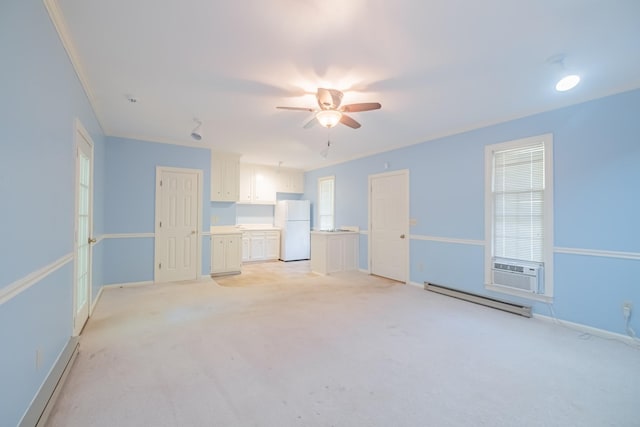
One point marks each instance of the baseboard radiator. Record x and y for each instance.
(42, 404)
(522, 310)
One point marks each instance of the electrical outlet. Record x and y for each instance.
(420, 266)
(627, 306)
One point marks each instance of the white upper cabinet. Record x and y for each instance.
(264, 180)
(225, 177)
(257, 184)
(290, 181)
(246, 183)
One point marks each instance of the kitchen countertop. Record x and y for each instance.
(238, 229)
(224, 229)
(257, 227)
(332, 232)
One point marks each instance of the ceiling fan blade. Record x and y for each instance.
(362, 106)
(310, 123)
(329, 99)
(311, 110)
(346, 120)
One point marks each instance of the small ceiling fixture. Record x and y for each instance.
(196, 133)
(568, 81)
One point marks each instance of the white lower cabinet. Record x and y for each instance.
(246, 247)
(260, 245)
(272, 244)
(257, 246)
(332, 252)
(226, 254)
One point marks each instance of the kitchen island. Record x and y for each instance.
(334, 251)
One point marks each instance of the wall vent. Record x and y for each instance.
(520, 275)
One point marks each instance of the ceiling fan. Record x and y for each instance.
(330, 113)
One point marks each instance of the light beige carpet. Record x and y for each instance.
(279, 346)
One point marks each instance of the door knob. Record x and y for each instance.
(90, 240)
(193, 232)
(402, 236)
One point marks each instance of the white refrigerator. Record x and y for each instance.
(293, 219)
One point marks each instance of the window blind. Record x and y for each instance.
(518, 203)
(325, 205)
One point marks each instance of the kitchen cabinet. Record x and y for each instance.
(257, 184)
(260, 245)
(332, 252)
(225, 177)
(246, 247)
(226, 253)
(257, 244)
(272, 244)
(290, 180)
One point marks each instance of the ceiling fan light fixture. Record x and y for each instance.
(329, 118)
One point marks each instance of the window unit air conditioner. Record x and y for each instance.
(520, 275)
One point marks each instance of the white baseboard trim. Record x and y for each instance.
(42, 403)
(95, 300)
(31, 279)
(589, 330)
(127, 284)
(365, 271)
(416, 284)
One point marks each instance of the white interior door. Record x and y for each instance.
(389, 225)
(178, 224)
(83, 228)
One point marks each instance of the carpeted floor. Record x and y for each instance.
(280, 346)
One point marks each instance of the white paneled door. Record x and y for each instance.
(389, 225)
(177, 248)
(83, 228)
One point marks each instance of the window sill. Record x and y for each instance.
(521, 294)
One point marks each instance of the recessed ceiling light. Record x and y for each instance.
(567, 83)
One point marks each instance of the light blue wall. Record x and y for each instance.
(130, 204)
(596, 204)
(41, 98)
(228, 213)
(597, 176)
(254, 214)
(224, 213)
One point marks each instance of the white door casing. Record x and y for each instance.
(389, 225)
(178, 223)
(83, 229)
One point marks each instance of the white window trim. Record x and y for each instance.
(489, 151)
(333, 202)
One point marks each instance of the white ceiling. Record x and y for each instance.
(438, 67)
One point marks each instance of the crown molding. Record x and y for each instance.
(65, 37)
